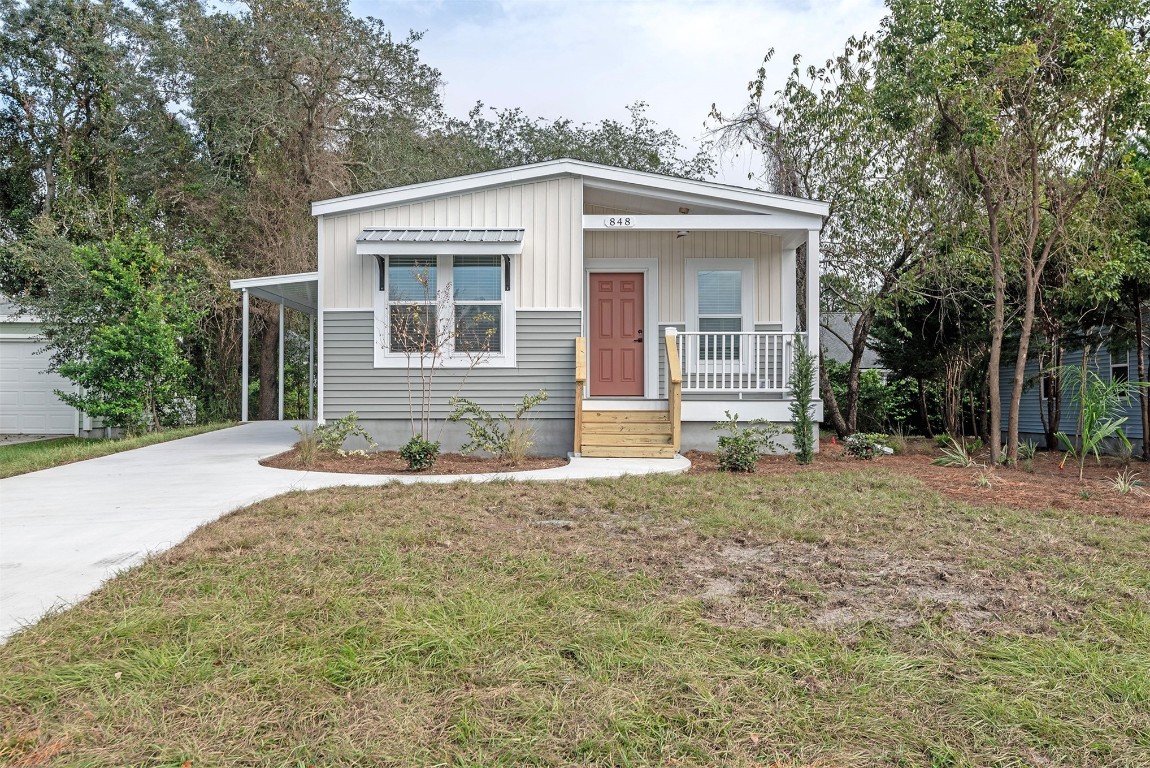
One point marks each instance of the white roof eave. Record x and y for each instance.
(594, 175)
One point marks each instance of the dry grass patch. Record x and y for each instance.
(806, 619)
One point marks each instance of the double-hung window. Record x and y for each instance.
(458, 306)
(719, 302)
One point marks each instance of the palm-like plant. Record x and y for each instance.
(1099, 405)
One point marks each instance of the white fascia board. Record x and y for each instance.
(435, 249)
(263, 282)
(762, 222)
(594, 175)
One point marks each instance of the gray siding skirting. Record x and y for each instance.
(545, 356)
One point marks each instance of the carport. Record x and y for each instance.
(299, 292)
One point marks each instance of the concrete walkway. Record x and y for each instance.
(63, 531)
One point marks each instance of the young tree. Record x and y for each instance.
(823, 136)
(1030, 100)
(114, 317)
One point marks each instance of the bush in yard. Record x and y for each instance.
(740, 448)
(331, 437)
(802, 389)
(115, 319)
(864, 445)
(507, 438)
(419, 453)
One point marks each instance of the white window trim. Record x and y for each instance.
(693, 267)
(384, 358)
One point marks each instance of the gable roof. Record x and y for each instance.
(593, 174)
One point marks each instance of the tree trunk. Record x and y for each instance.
(923, 412)
(1054, 399)
(854, 374)
(269, 364)
(997, 331)
(830, 405)
(1140, 357)
(1020, 366)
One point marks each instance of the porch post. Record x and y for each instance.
(790, 291)
(281, 365)
(244, 376)
(813, 293)
(310, 367)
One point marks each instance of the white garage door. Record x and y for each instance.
(28, 402)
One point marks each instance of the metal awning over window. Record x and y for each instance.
(379, 241)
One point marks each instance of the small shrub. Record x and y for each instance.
(308, 446)
(420, 454)
(897, 441)
(740, 448)
(942, 441)
(956, 454)
(802, 388)
(1126, 482)
(1028, 450)
(1028, 465)
(507, 438)
(864, 445)
(983, 480)
(330, 437)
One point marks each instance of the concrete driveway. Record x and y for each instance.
(63, 531)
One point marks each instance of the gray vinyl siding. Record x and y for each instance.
(1029, 418)
(545, 359)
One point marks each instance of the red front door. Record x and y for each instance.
(616, 334)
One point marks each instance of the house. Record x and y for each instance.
(28, 401)
(645, 305)
(838, 332)
(1032, 408)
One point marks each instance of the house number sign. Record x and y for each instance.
(618, 221)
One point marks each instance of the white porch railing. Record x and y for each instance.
(736, 362)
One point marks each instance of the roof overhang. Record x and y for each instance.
(593, 175)
(299, 292)
(380, 241)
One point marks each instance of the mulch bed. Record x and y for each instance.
(389, 463)
(1044, 488)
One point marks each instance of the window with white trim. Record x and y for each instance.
(719, 305)
(462, 303)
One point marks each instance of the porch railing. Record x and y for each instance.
(736, 362)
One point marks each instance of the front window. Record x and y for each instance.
(720, 317)
(454, 305)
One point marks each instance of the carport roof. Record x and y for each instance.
(299, 292)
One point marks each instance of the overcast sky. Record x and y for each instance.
(588, 59)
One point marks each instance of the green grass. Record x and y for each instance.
(439, 625)
(43, 454)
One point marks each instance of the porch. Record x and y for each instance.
(717, 371)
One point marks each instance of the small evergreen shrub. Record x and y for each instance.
(420, 454)
(740, 448)
(1028, 450)
(802, 389)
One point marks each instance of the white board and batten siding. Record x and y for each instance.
(672, 253)
(548, 273)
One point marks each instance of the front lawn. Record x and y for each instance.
(43, 454)
(801, 619)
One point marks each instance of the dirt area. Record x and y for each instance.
(389, 463)
(1045, 487)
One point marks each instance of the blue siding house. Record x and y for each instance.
(1108, 366)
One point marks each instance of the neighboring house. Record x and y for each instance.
(28, 401)
(579, 272)
(838, 331)
(1033, 405)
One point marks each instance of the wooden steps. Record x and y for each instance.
(627, 434)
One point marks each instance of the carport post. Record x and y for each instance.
(244, 383)
(281, 371)
(310, 367)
